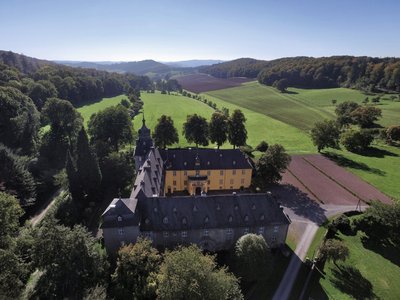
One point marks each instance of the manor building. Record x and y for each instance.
(191, 196)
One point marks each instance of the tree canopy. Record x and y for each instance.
(187, 273)
(271, 164)
(334, 250)
(325, 134)
(195, 130)
(10, 212)
(253, 258)
(218, 129)
(165, 133)
(237, 133)
(111, 127)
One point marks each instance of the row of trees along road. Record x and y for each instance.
(197, 130)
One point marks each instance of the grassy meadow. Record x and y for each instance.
(370, 272)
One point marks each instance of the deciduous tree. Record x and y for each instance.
(334, 250)
(195, 130)
(356, 140)
(218, 129)
(187, 273)
(237, 133)
(365, 116)
(343, 112)
(165, 133)
(10, 212)
(325, 134)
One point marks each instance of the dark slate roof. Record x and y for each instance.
(123, 207)
(204, 159)
(150, 175)
(218, 211)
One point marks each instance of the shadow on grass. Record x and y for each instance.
(383, 248)
(345, 162)
(315, 289)
(376, 152)
(349, 280)
(294, 199)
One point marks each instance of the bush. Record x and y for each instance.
(356, 141)
(342, 223)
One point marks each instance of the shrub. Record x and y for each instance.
(356, 141)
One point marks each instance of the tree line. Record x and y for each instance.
(365, 73)
(199, 131)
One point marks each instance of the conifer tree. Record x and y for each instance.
(73, 181)
(88, 171)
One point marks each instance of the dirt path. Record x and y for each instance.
(40, 215)
(288, 280)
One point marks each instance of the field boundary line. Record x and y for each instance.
(334, 180)
(306, 187)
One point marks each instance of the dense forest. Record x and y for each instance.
(366, 73)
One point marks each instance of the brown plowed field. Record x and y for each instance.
(198, 83)
(321, 178)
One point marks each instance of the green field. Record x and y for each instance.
(380, 267)
(87, 110)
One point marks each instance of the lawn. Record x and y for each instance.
(369, 272)
(87, 110)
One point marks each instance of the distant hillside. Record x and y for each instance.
(136, 67)
(365, 73)
(194, 63)
(242, 67)
(24, 64)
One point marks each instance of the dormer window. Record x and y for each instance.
(253, 207)
(208, 163)
(246, 218)
(184, 221)
(206, 219)
(230, 219)
(236, 207)
(184, 163)
(165, 220)
(174, 209)
(218, 207)
(119, 219)
(195, 208)
(147, 221)
(262, 217)
(234, 162)
(155, 209)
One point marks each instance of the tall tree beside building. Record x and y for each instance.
(187, 273)
(218, 129)
(88, 170)
(237, 133)
(195, 130)
(165, 133)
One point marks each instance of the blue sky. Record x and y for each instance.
(194, 29)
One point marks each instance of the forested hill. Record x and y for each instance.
(41, 80)
(366, 73)
(24, 64)
(137, 67)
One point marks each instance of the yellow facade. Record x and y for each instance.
(195, 181)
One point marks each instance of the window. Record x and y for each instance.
(262, 217)
(246, 230)
(243, 172)
(231, 181)
(184, 234)
(174, 182)
(236, 207)
(197, 172)
(165, 234)
(230, 219)
(220, 187)
(165, 220)
(185, 163)
(174, 209)
(119, 219)
(229, 233)
(261, 230)
(273, 239)
(147, 221)
(208, 163)
(174, 173)
(120, 231)
(234, 162)
(242, 181)
(206, 219)
(276, 228)
(185, 182)
(184, 221)
(221, 172)
(233, 172)
(195, 208)
(253, 206)
(206, 232)
(174, 189)
(155, 209)
(246, 218)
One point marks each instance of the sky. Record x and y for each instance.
(116, 30)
